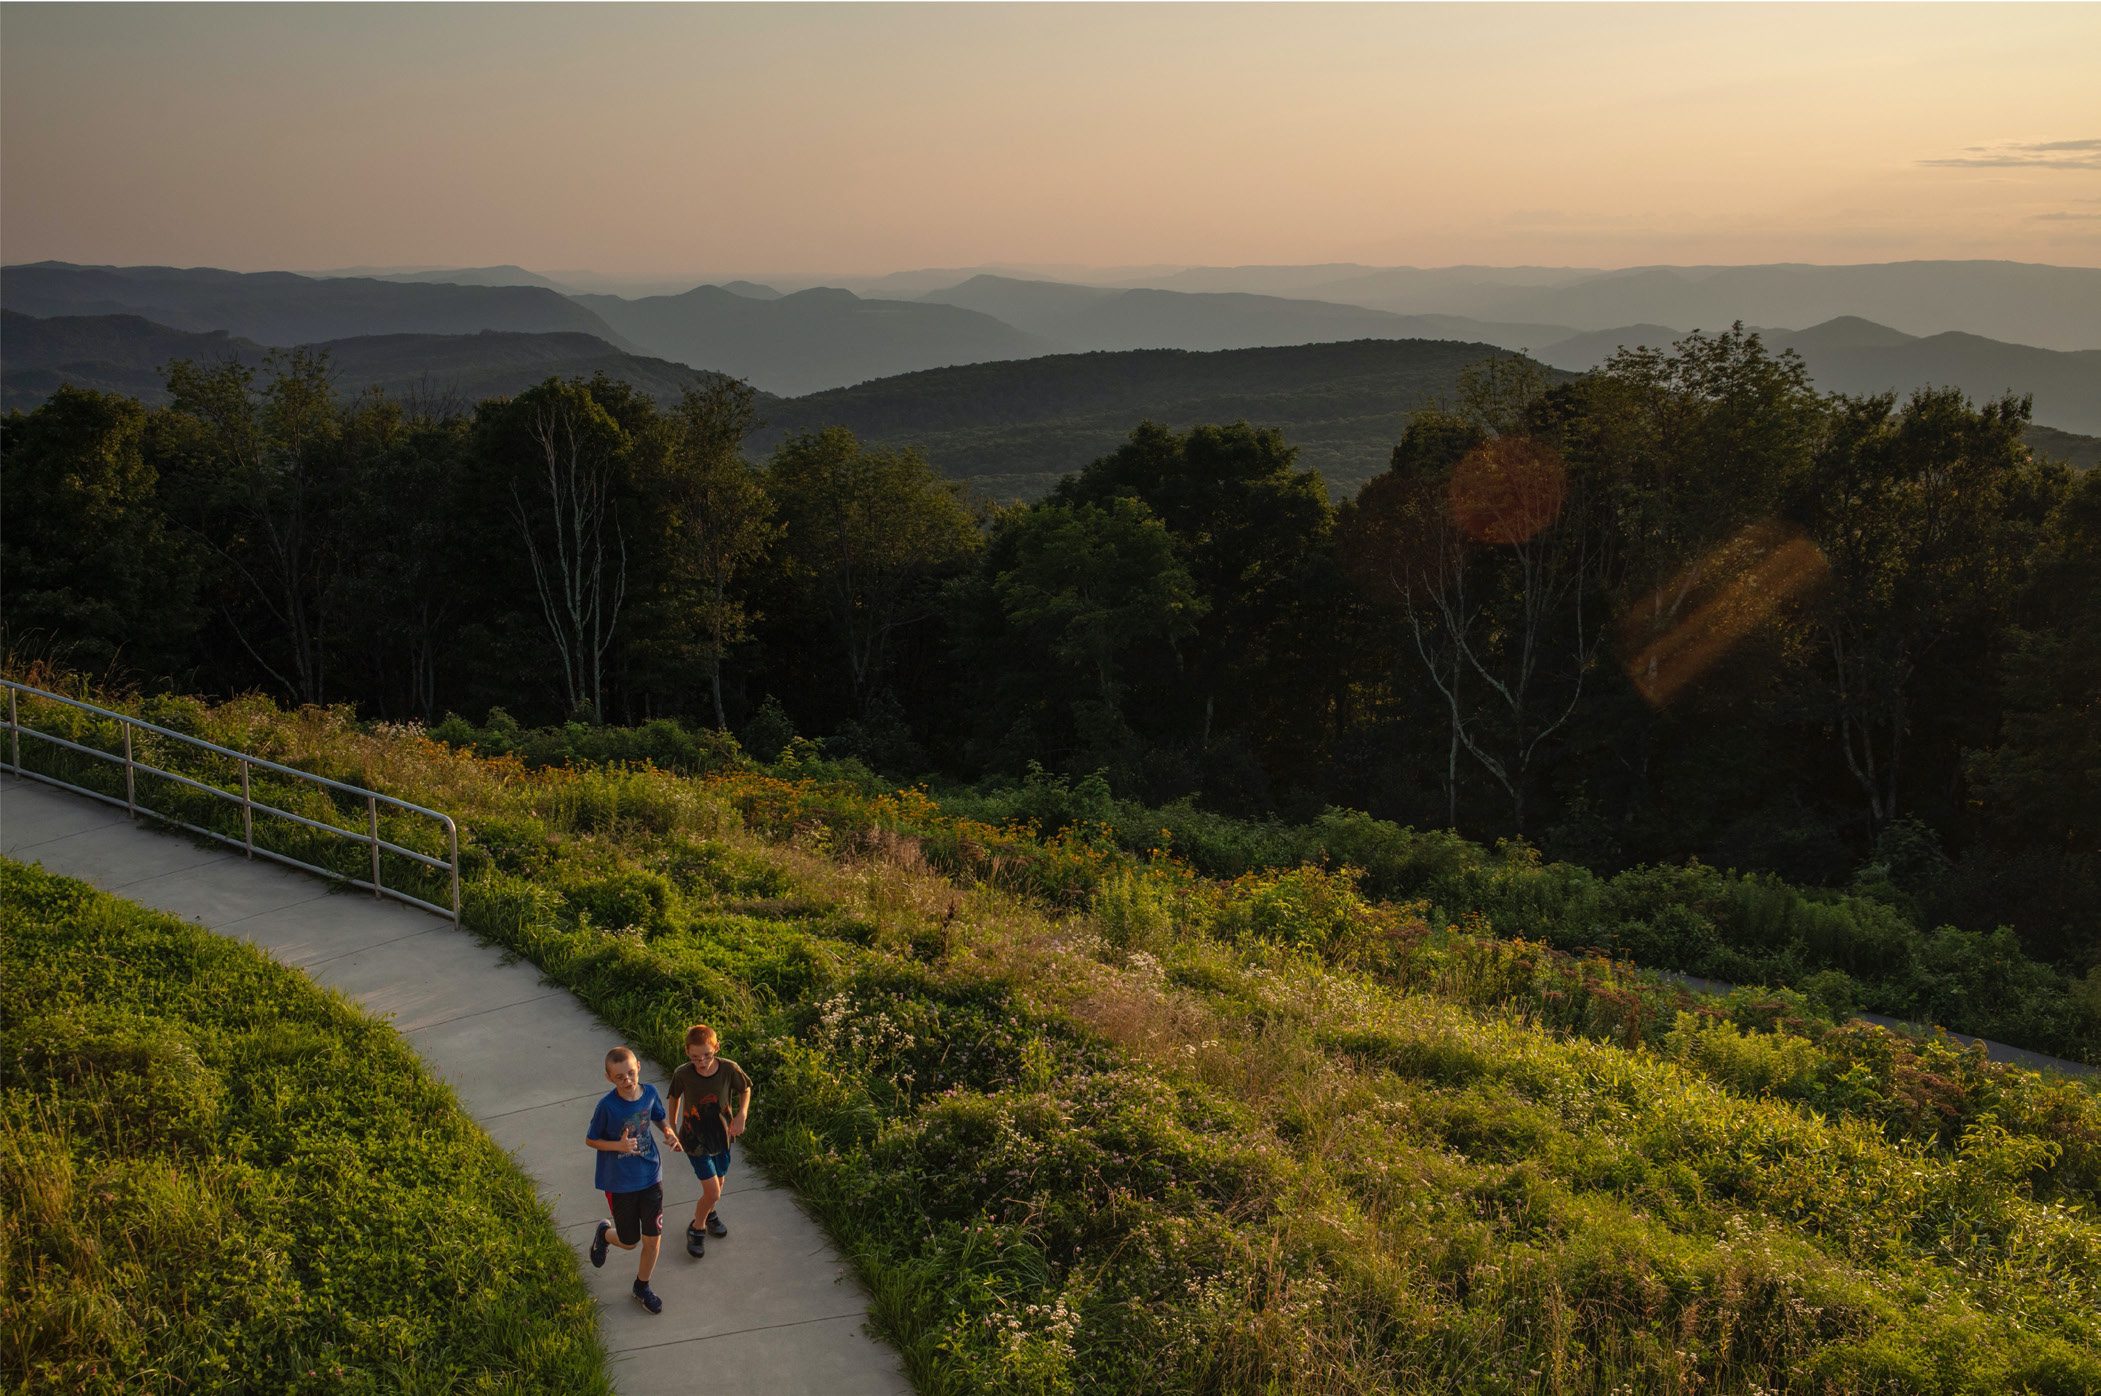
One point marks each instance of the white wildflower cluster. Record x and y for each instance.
(845, 1028)
(1145, 966)
(1051, 1324)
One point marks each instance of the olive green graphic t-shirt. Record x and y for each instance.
(705, 1104)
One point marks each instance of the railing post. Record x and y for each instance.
(372, 816)
(247, 814)
(131, 798)
(14, 732)
(452, 845)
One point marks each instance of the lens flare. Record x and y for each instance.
(1508, 490)
(1682, 629)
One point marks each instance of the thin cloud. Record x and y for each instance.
(2064, 217)
(2028, 155)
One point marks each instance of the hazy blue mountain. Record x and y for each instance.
(1096, 317)
(506, 275)
(2066, 385)
(1011, 429)
(1404, 290)
(1047, 308)
(1580, 353)
(1843, 334)
(2015, 302)
(125, 354)
(108, 353)
(751, 290)
(823, 338)
(281, 307)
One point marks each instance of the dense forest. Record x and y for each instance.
(1682, 607)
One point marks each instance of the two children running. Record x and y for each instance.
(710, 1098)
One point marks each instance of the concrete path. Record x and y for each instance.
(771, 1309)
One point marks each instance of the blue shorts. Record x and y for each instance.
(706, 1166)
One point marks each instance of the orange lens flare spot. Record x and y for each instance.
(1682, 629)
(1508, 491)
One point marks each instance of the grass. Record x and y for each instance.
(216, 1176)
(1089, 1120)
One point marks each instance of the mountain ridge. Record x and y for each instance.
(281, 307)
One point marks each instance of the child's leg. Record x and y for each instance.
(652, 1226)
(710, 1193)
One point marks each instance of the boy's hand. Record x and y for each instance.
(671, 1140)
(735, 1126)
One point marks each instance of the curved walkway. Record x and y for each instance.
(772, 1309)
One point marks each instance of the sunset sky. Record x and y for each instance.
(726, 140)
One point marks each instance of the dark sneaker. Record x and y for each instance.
(598, 1245)
(696, 1242)
(647, 1297)
(715, 1226)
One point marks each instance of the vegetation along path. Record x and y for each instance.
(772, 1308)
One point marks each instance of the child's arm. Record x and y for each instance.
(736, 1121)
(622, 1144)
(663, 1119)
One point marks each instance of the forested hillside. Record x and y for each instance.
(281, 307)
(1014, 429)
(125, 354)
(1685, 607)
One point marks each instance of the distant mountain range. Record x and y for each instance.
(126, 354)
(281, 307)
(1010, 428)
(815, 339)
(826, 337)
(2053, 307)
(1092, 317)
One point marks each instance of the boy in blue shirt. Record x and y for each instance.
(629, 1172)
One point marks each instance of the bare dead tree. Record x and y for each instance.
(1491, 570)
(580, 604)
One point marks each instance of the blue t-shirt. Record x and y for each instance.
(615, 1117)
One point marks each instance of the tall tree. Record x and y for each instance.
(256, 474)
(867, 534)
(1915, 510)
(564, 497)
(1402, 544)
(402, 592)
(91, 573)
(718, 512)
(1246, 521)
(1090, 582)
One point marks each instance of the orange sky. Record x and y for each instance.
(719, 140)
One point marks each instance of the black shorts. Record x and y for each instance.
(637, 1214)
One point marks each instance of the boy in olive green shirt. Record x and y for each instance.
(710, 1096)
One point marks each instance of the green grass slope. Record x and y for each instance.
(215, 1176)
(1090, 1122)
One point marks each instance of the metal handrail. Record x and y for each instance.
(250, 806)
